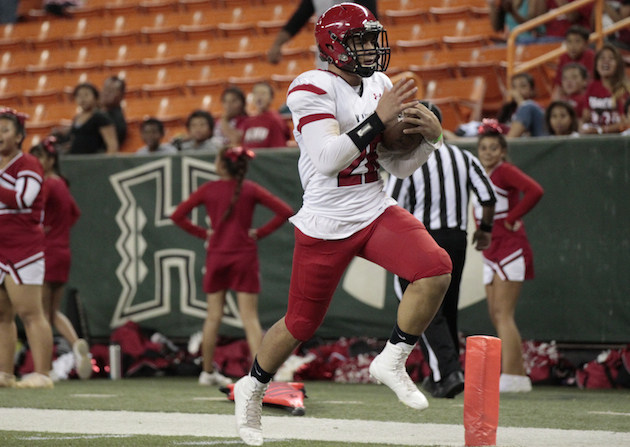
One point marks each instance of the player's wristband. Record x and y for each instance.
(437, 139)
(366, 131)
(487, 227)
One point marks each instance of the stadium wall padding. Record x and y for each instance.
(131, 263)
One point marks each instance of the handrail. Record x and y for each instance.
(542, 19)
(553, 54)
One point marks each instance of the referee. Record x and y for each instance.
(437, 194)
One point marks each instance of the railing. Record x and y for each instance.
(597, 35)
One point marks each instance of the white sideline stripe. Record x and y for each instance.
(609, 413)
(289, 427)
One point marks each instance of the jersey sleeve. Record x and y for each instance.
(180, 216)
(530, 188)
(312, 103)
(281, 209)
(28, 185)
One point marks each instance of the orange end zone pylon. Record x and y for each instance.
(481, 392)
(289, 395)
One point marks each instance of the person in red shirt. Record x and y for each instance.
(21, 256)
(603, 103)
(575, 79)
(60, 214)
(232, 259)
(234, 114)
(509, 260)
(559, 26)
(267, 128)
(578, 51)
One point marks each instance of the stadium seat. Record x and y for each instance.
(39, 91)
(164, 82)
(117, 7)
(285, 72)
(89, 8)
(468, 92)
(158, 6)
(495, 83)
(405, 16)
(449, 13)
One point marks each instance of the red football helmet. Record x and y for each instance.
(341, 34)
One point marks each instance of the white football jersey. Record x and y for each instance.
(343, 191)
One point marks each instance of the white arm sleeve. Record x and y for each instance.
(26, 191)
(329, 151)
(404, 166)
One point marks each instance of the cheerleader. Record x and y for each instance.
(509, 259)
(21, 256)
(232, 258)
(60, 214)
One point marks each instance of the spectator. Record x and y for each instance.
(573, 86)
(8, 11)
(200, 126)
(234, 114)
(92, 130)
(605, 96)
(578, 51)
(524, 115)
(506, 15)
(561, 119)
(509, 260)
(300, 17)
(21, 256)
(152, 132)
(60, 214)
(112, 95)
(437, 194)
(232, 261)
(618, 11)
(557, 28)
(267, 128)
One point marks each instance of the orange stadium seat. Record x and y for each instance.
(89, 8)
(160, 6)
(285, 72)
(468, 92)
(495, 84)
(405, 16)
(116, 7)
(43, 118)
(154, 54)
(449, 13)
(40, 91)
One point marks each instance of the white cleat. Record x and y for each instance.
(213, 378)
(510, 383)
(248, 396)
(35, 380)
(83, 359)
(389, 368)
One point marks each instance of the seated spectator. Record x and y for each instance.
(506, 15)
(557, 28)
(234, 114)
(561, 119)
(92, 130)
(605, 97)
(524, 115)
(578, 51)
(152, 132)
(267, 128)
(573, 86)
(113, 93)
(618, 11)
(200, 126)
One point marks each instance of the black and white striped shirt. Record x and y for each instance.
(437, 193)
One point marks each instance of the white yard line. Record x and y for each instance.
(289, 427)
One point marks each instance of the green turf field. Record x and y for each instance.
(546, 407)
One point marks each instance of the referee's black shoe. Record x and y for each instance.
(450, 386)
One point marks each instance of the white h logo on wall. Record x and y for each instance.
(133, 272)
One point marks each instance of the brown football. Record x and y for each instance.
(396, 141)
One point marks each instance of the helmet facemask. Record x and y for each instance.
(354, 44)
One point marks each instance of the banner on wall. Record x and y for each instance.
(131, 263)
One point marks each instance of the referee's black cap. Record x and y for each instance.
(433, 108)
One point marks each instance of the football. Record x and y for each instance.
(395, 141)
